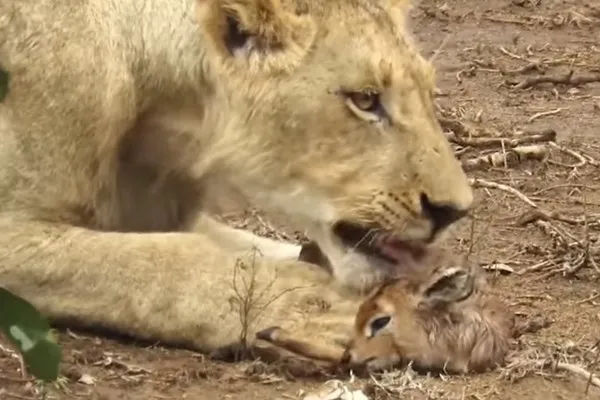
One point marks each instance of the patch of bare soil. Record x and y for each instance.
(520, 99)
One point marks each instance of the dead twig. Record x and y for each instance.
(564, 185)
(582, 159)
(507, 20)
(510, 54)
(4, 392)
(546, 135)
(482, 183)
(532, 66)
(439, 49)
(539, 214)
(572, 368)
(588, 299)
(567, 239)
(566, 79)
(250, 299)
(536, 267)
(589, 257)
(544, 114)
(16, 355)
(589, 382)
(507, 158)
(452, 126)
(15, 380)
(471, 238)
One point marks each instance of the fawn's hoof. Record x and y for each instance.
(268, 334)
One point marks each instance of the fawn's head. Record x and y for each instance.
(440, 318)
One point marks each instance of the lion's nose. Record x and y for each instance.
(441, 215)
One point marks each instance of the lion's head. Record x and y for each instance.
(330, 118)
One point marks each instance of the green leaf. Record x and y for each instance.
(29, 331)
(4, 80)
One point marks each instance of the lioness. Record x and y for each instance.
(120, 113)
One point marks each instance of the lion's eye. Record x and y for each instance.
(365, 101)
(366, 105)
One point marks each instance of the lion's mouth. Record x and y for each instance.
(379, 243)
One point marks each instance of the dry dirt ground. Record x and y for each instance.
(540, 249)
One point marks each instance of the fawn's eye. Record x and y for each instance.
(378, 324)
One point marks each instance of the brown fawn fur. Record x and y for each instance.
(442, 316)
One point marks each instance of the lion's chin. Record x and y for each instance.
(362, 272)
(377, 243)
(360, 267)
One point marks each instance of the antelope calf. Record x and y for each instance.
(442, 317)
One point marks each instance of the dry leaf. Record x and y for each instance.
(87, 379)
(336, 390)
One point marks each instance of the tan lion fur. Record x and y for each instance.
(120, 113)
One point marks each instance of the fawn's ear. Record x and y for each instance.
(454, 284)
(256, 35)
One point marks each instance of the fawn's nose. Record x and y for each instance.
(346, 357)
(441, 215)
(351, 358)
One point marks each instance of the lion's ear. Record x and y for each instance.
(402, 5)
(399, 10)
(259, 35)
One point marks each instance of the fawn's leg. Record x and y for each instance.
(311, 347)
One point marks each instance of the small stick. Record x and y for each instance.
(563, 366)
(18, 356)
(566, 79)
(507, 157)
(4, 392)
(577, 370)
(588, 299)
(582, 159)
(534, 268)
(506, 20)
(589, 257)
(439, 49)
(543, 114)
(482, 183)
(553, 230)
(565, 185)
(504, 156)
(455, 126)
(508, 53)
(547, 135)
(16, 380)
(589, 382)
(539, 214)
(521, 70)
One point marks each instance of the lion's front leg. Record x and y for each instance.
(169, 287)
(241, 241)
